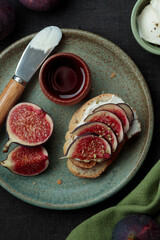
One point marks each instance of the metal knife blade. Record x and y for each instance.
(32, 57)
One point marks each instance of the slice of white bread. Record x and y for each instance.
(77, 119)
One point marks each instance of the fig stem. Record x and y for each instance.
(2, 163)
(5, 163)
(6, 146)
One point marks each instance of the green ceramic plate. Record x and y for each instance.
(103, 59)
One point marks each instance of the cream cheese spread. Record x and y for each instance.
(46, 39)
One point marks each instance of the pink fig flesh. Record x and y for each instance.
(119, 112)
(101, 129)
(28, 124)
(110, 119)
(27, 161)
(88, 147)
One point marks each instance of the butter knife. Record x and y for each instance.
(33, 56)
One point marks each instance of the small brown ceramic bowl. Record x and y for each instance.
(65, 78)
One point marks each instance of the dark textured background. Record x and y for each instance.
(110, 19)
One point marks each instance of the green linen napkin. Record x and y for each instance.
(145, 198)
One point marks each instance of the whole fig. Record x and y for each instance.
(7, 19)
(39, 5)
(136, 227)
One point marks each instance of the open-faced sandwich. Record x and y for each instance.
(96, 134)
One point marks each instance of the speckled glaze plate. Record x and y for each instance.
(103, 58)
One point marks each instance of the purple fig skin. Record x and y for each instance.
(13, 138)
(7, 19)
(27, 161)
(85, 135)
(136, 227)
(128, 111)
(40, 5)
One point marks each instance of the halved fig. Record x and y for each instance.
(118, 111)
(110, 119)
(27, 161)
(102, 129)
(128, 111)
(27, 124)
(88, 147)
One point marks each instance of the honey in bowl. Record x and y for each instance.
(65, 79)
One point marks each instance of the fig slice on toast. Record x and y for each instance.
(128, 111)
(102, 129)
(118, 111)
(27, 161)
(110, 119)
(89, 147)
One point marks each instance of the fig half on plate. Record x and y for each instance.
(27, 161)
(28, 125)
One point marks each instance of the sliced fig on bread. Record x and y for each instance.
(89, 147)
(128, 111)
(118, 111)
(110, 119)
(87, 122)
(102, 129)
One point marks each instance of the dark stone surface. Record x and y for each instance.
(110, 19)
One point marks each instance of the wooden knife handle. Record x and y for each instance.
(8, 98)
